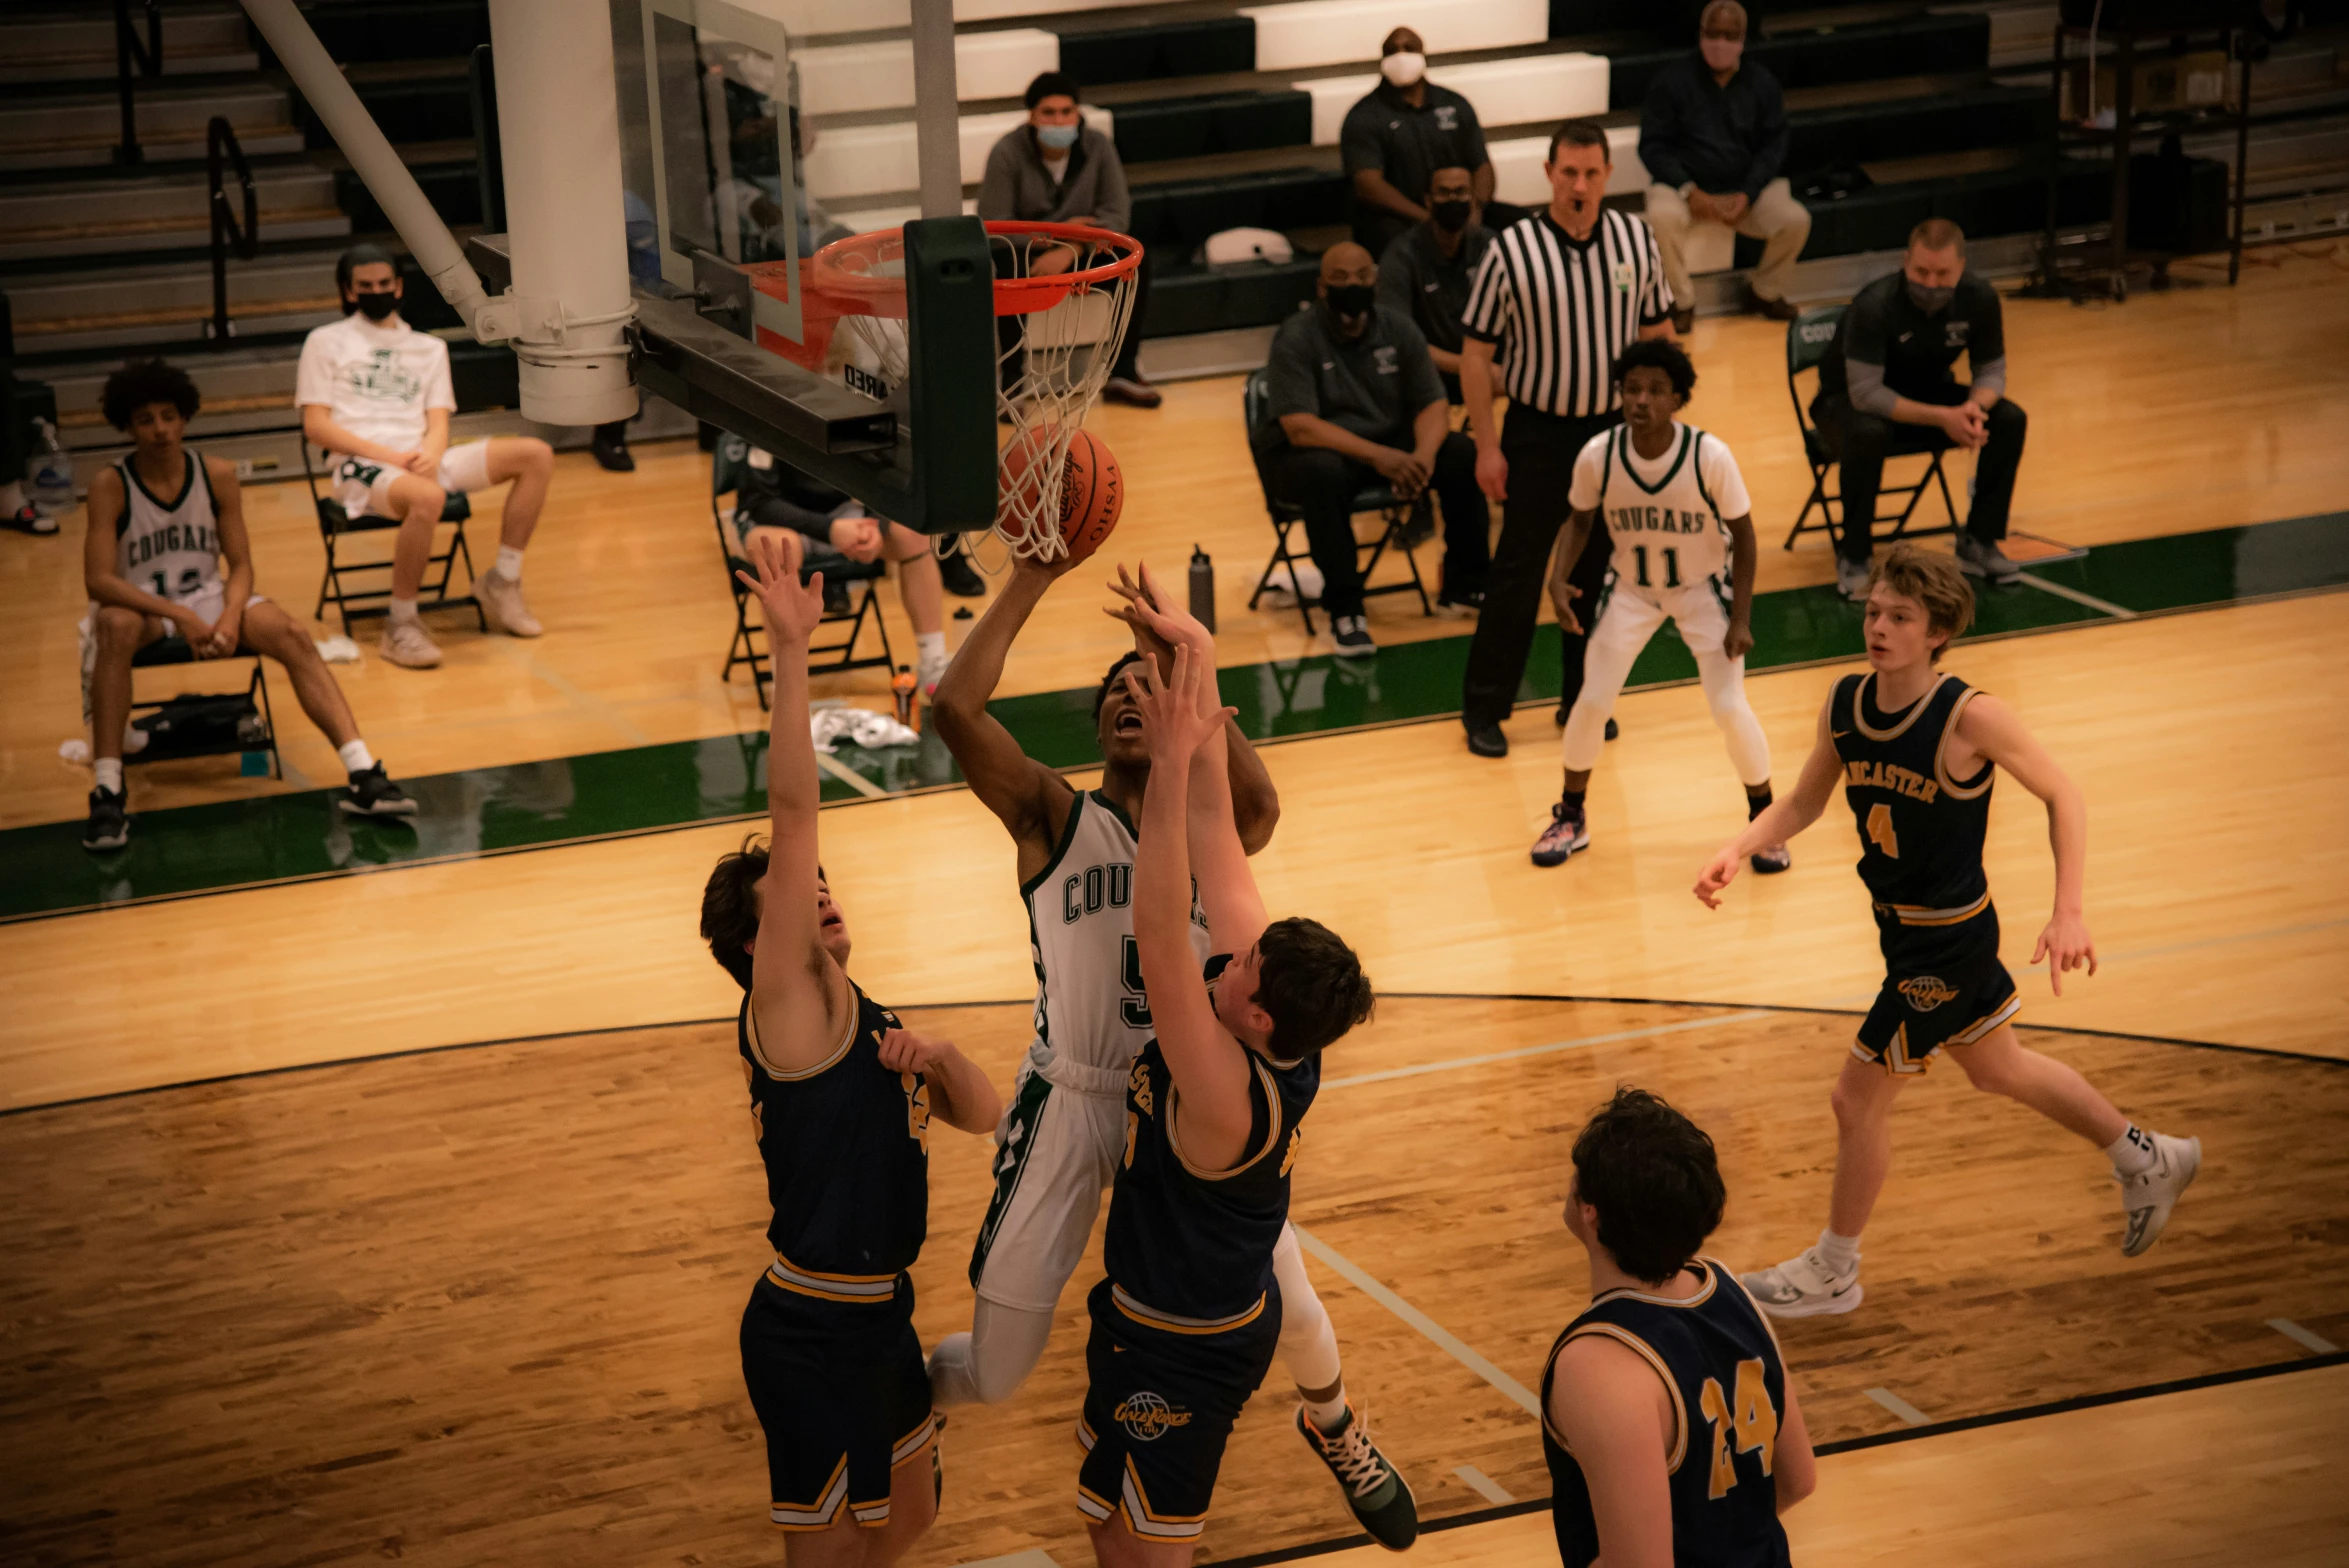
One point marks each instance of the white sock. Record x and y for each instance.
(509, 564)
(1327, 1414)
(2132, 1152)
(1841, 1254)
(109, 773)
(356, 757)
(930, 646)
(403, 609)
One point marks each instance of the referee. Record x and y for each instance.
(1559, 295)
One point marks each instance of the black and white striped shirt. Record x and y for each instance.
(1561, 310)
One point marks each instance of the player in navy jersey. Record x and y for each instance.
(1917, 751)
(1672, 1432)
(841, 1100)
(1185, 1324)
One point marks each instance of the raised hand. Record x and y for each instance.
(792, 608)
(1160, 626)
(1178, 713)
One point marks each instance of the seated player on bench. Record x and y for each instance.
(161, 522)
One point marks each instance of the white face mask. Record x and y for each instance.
(1403, 69)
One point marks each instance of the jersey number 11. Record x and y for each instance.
(1671, 554)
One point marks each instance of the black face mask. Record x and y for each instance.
(376, 307)
(1352, 299)
(1931, 301)
(1450, 216)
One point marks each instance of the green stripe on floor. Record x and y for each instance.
(485, 811)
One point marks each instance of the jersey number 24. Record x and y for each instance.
(1747, 1421)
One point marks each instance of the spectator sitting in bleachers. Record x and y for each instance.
(1401, 132)
(1058, 169)
(376, 394)
(161, 522)
(1713, 136)
(836, 528)
(1425, 273)
(1355, 401)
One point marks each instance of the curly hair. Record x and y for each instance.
(1659, 354)
(1652, 1175)
(144, 381)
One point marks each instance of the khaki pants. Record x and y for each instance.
(1780, 222)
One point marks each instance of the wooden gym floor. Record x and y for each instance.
(479, 1305)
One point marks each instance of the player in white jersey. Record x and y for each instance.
(161, 522)
(1675, 505)
(375, 393)
(1061, 1140)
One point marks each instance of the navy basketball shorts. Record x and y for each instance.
(1159, 1409)
(1915, 1015)
(844, 1398)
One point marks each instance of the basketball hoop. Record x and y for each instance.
(1072, 288)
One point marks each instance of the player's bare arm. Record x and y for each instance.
(800, 997)
(425, 464)
(1571, 539)
(960, 1095)
(1227, 890)
(1786, 816)
(1744, 558)
(106, 585)
(1616, 1417)
(1028, 798)
(1209, 1066)
(1794, 1468)
(1159, 624)
(236, 549)
(1989, 728)
(318, 424)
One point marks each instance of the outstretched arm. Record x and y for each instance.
(1788, 815)
(799, 996)
(1028, 797)
(1996, 731)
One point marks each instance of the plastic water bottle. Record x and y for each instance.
(50, 484)
(903, 687)
(1202, 588)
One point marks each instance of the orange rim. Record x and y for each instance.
(841, 271)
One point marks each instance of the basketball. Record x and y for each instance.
(1092, 492)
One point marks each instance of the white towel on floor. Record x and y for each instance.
(866, 728)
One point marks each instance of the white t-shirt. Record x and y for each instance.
(1677, 505)
(376, 382)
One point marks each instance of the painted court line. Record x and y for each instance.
(2298, 1335)
(1484, 1485)
(1033, 1557)
(2116, 611)
(1443, 1338)
(1520, 1054)
(850, 777)
(1900, 1407)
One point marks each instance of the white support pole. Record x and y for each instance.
(305, 59)
(558, 118)
(937, 132)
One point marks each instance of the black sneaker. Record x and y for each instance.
(1568, 834)
(1563, 708)
(1463, 606)
(109, 823)
(611, 452)
(1375, 1490)
(1485, 738)
(371, 793)
(1352, 637)
(962, 579)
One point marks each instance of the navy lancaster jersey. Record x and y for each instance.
(1920, 829)
(1192, 1247)
(846, 1146)
(1728, 1387)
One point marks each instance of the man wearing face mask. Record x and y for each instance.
(1058, 169)
(1885, 389)
(1425, 273)
(1355, 401)
(1399, 135)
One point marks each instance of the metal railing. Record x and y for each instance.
(147, 55)
(221, 149)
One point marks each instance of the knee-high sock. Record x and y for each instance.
(1724, 683)
(983, 1366)
(1308, 1345)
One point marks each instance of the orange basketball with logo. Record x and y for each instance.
(1092, 492)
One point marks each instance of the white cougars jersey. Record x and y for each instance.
(171, 548)
(1668, 516)
(1092, 1016)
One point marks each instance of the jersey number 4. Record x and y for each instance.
(1749, 1422)
(1880, 831)
(1671, 554)
(1135, 1008)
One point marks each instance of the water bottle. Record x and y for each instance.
(50, 486)
(1202, 588)
(902, 687)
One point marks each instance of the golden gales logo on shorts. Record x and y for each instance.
(1925, 993)
(1147, 1418)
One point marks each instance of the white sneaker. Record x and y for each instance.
(930, 669)
(501, 603)
(405, 643)
(1804, 1287)
(2148, 1196)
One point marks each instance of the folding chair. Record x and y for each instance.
(336, 527)
(1396, 516)
(1807, 338)
(174, 649)
(729, 463)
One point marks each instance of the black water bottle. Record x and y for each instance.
(1202, 588)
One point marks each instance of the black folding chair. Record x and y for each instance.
(337, 527)
(729, 463)
(174, 649)
(1807, 338)
(1395, 515)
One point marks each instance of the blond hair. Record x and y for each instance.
(1935, 582)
